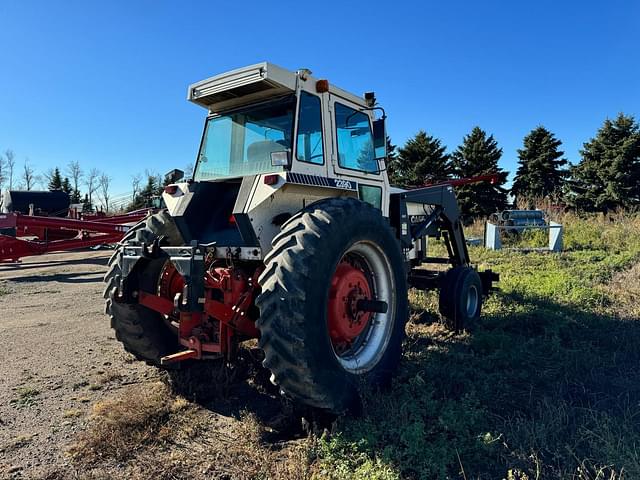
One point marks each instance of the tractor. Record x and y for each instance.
(289, 233)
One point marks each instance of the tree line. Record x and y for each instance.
(82, 186)
(91, 187)
(607, 177)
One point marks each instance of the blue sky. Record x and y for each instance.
(105, 83)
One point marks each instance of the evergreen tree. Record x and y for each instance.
(55, 182)
(151, 189)
(422, 160)
(608, 176)
(392, 162)
(87, 207)
(540, 172)
(479, 155)
(66, 187)
(366, 159)
(392, 150)
(75, 195)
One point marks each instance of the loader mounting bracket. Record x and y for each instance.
(189, 262)
(441, 214)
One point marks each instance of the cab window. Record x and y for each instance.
(354, 140)
(371, 194)
(309, 140)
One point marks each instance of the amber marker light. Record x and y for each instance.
(322, 86)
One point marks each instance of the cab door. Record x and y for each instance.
(352, 150)
(310, 142)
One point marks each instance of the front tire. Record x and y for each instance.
(461, 298)
(318, 342)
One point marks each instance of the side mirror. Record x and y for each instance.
(379, 139)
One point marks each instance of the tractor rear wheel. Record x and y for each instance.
(334, 304)
(143, 332)
(461, 297)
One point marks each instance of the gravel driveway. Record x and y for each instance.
(59, 357)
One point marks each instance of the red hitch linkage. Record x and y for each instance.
(229, 295)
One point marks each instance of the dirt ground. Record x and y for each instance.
(60, 356)
(61, 362)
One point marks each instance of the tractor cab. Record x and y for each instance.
(274, 133)
(264, 119)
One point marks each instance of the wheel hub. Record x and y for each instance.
(171, 282)
(346, 322)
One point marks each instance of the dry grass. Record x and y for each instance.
(121, 425)
(624, 288)
(72, 413)
(18, 442)
(147, 432)
(109, 377)
(244, 454)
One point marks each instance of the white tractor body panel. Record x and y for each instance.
(287, 200)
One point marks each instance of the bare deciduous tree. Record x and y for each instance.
(48, 175)
(188, 171)
(2, 171)
(91, 181)
(105, 183)
(28, 175)
(75, 173)
(135, 185)
(11, 163)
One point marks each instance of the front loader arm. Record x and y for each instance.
(440, 203)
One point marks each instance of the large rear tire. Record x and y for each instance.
(141, 330)
(328, 257)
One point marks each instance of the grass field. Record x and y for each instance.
(546, 386)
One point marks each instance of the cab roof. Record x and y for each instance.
(254, 83)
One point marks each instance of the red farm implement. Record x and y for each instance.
(491, 178)
(25, 235)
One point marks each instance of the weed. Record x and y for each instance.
(79, 385)
(109, 377)
(20, 441)
(72, 413)
(27, 397)
(121, 425)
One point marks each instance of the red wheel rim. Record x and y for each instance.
(345, 322)
(170, 282)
